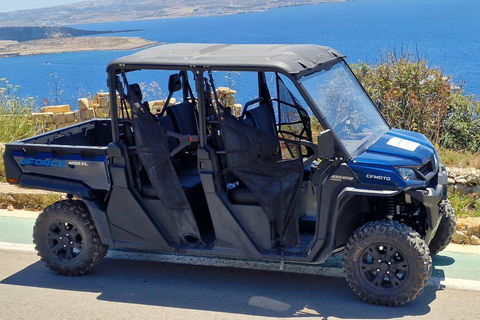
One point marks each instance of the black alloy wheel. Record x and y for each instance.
(67, 240)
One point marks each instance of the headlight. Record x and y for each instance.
(407, 173)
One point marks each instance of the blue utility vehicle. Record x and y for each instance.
(305, 169)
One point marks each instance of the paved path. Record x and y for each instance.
(123, 288)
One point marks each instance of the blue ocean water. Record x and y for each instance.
(447, 32)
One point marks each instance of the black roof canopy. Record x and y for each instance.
(287, 58)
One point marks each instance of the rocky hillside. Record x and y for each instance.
(21, 34)
(123, 10)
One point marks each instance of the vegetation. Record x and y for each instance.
(420, 98)
(461, 159)
(465, 205)
(15, 122)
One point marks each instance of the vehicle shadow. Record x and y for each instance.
(441, 261)
(221, 289)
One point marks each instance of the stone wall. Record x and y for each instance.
(465, 180)
(55, 117)
(99, 107)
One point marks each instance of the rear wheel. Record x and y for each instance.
(66, 239)
(445, 230)
(387, 263)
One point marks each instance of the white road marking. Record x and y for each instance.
(8, 246)
(450, 283)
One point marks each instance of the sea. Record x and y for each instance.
(446, 32)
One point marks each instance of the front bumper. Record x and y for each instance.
(433, 199)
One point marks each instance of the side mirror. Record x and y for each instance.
(174, 83)
(326, 145)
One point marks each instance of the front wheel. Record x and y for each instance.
(66, 239)
(387, 263)
(445, 230)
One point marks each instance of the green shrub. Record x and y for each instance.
(420, 98)
(15, 120)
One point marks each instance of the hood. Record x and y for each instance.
(400, 148)
(396, 148)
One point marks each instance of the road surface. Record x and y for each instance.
(140, 286)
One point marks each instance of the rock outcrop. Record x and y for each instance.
(465, 180)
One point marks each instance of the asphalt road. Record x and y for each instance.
(125, 289)
(128, 286)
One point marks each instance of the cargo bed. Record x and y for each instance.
(72, 158)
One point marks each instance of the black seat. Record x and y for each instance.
(184, 118)
(135, 87)
(190, 183)
(262, 118)
(241, 194)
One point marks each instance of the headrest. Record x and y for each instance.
(135, 88)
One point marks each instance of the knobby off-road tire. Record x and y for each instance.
(445, 230)
(387, 263)
(66, 239)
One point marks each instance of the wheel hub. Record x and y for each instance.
(65, 240)
(384, 266)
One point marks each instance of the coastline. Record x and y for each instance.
(72, 44)
(75, 14)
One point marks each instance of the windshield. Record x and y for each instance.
(346, 107)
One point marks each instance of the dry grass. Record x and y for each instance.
(452, 158)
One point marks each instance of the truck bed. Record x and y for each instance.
(71, 159)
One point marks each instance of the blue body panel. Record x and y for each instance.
(396, 148)
(92, 172)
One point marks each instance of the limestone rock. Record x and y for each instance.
(459, 237)
(472, 179)
(237, 109)
(156, 106)
(83, 104)
(461, 186)
(10, 208)
(102, 112)
(472, 230)
(70, 117)
(474, 240)
(87, 114)
(451, 180)
(43, 117)
(60, 118)
(461, 179)
(57, 109)
(225, 90)
(101, 99)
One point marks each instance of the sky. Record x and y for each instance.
(10, 5)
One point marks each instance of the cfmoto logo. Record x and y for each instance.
(42, 162)
(376, 177)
